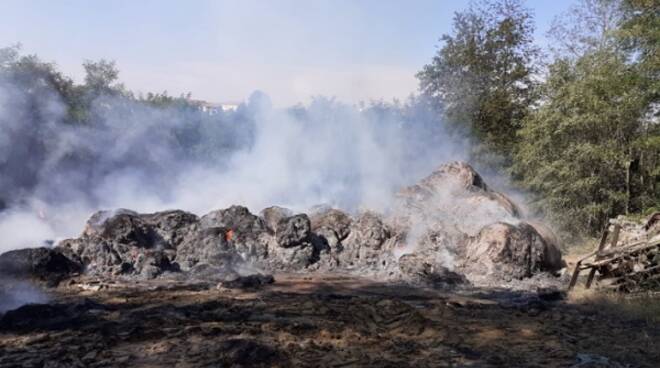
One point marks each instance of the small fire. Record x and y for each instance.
(229, 235)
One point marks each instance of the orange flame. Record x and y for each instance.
(229, 235)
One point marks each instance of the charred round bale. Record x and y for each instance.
(45, 264)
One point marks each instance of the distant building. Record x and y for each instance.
(213, 108)
(229, 106)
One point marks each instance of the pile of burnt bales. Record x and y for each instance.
(448, 229)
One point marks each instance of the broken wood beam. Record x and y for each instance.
(603, 240)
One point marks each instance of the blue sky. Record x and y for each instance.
(223, 50)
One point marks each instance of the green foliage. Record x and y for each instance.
(591, 150)
(165, 100)
(481, 78)
(37, 78)
(585, 150)
(586, 27)
(100, 76)
(640, 34)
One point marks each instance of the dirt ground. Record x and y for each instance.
(318, 321)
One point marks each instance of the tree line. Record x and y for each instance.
(577, 124)
(65, 142)
(73, 135)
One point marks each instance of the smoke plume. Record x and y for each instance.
(137, 155)
(14, 293)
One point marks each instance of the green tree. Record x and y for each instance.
(577, 149)
(36, 78)
(100, 77)
(590, 149)
(640, 35)
(589, 25)
(481, 79)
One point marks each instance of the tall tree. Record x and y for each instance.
(482, 77)
(640, 33)
(576, 149)
(100, 76)
(588, 25)
(588, 148)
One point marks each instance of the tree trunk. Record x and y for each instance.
(628, 174)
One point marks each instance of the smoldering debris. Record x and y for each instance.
(23, 270)
(237, 248)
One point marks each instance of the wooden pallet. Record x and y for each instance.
(621, 267)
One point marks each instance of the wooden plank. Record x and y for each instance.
(601, 245)
(615, 235)
(576, 273)
(628, 248)
(590, 278)
(603, 260)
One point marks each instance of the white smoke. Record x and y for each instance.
(15, 293)
(153, 158)
(21, 228)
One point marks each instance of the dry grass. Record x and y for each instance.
(643, 306)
